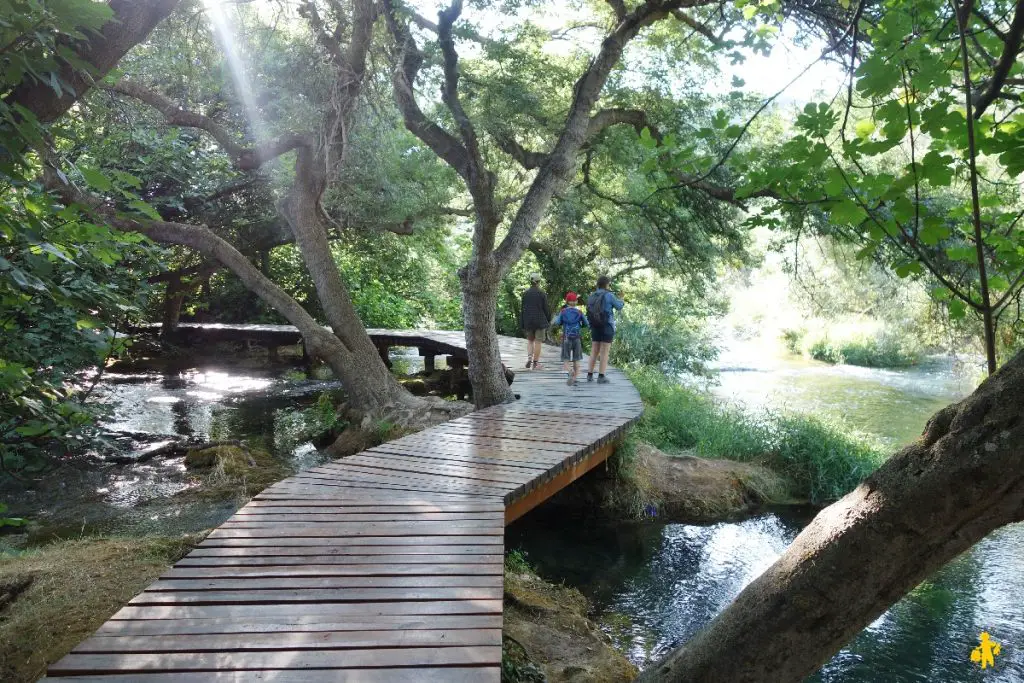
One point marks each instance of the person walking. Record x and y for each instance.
(601, 307)
(535, 318)
(572, 322)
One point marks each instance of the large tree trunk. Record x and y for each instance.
(133, 21)
(479, 306)
(930, 502)
(366, 378)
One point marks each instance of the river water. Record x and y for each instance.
(655, 585)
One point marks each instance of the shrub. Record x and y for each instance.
(878, 351)
(823, 459)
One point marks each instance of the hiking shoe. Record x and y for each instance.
(590, 377)
(537, 366)
(568, 380)
(602, 380)
(529, 362)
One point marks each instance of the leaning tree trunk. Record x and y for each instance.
(479, 306)
(930, 502)
(367, 380)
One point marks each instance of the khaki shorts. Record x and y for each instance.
(541, 334)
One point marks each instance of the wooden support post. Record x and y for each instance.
(428, 360)
(383, 349)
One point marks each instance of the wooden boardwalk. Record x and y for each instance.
(382, 567)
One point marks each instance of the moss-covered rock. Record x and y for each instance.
(227, 471)
(546, 628)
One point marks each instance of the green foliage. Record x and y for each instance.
(823, 459)
(663, 329)
(897, 182)
(517, 563)
(882, 351)
(67, 284)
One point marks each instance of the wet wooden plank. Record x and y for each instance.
(364, 610)
(296, 624)
(314, 659)
(285, 581)
(325, 640)
(336, 595)
(448, 674)
(417, 571)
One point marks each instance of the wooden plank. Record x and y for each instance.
(314, 659)
(356, 595)
(435, 541)
(361, 610)
(326, 640)
(448, 674)
(251, 582)
(350, 553)
(379, 529)
(295, 624)
(418, 572)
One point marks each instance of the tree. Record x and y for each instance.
(464, 151)
(320, 160)
(927, 504)
(918, 164)
(83, 42)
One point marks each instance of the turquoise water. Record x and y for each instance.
(655, 585)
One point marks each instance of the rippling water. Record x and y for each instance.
(654, 586)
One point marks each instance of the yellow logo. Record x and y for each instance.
(986, 652)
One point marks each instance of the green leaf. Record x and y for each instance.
(864, 128)
(848, 212)
(749, 11)
(957, 309)
(96, 179)
(146, 210)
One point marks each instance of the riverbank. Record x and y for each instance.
(53, 597)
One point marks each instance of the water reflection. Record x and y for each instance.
(655, 586)
(149, 410)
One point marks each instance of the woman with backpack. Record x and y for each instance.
(572, 322)
(601, 307)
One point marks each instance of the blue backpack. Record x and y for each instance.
(572, 321)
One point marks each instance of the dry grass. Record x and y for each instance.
(74, 586)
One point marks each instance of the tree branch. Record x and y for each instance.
(246, 158)
(697, 26)
(527, 159)
(133, 21)
(1011, 47)
(408, 60)
(561, 162)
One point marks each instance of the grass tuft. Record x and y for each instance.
(65, 590)
(823, 459)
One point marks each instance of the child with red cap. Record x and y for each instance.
(572, 322)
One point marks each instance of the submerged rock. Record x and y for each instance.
(546, 627)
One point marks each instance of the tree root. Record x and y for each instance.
(367, 430)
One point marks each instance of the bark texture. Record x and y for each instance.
(133, 21)
(930, 502)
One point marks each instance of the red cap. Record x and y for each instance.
(571, 296)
